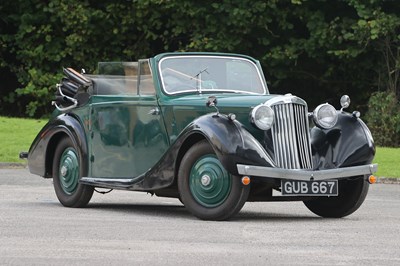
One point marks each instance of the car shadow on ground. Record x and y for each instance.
(274, 216)
(145, 209)
(179, 211)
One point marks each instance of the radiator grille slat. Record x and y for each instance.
(291, 136)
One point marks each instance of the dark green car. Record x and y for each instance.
(201, 127)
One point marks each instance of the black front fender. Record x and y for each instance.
(349, 143)
(231, 142)
(40, 156)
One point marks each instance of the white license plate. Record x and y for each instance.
(310, 188)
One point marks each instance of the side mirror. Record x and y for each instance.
(212, 101)
(344, 102)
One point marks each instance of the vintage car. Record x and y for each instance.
(203, 128)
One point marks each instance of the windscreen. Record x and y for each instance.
(201, 74)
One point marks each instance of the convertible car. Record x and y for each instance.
(203, 128)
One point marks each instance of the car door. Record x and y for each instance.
(128, 135)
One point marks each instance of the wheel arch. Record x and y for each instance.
(231, 142)
(41, 153)
(191, 140)
(50, 152)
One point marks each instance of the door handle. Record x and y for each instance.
(154, 111)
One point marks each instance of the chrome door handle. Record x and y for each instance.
(154, 111)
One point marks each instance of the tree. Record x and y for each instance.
(42, 37)
(315, 49)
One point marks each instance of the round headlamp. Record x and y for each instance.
(262, 116)
(325, 116)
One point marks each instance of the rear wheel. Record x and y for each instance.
(352, 193)
(67, 170)
(206, 189)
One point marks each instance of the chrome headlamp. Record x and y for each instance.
(325, 116)
(262, 116)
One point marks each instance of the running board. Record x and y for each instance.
(114, 183)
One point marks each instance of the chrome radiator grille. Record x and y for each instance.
(291, 136)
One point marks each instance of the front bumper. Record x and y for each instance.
(306, 175)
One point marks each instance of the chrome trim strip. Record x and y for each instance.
(285, 99)
(306, 175)
(295, 163)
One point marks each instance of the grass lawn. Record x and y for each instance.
(17, 134)
(388, 160)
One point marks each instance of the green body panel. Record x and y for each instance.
(179, 112)
(125, 139)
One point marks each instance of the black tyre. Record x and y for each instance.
(352, 193)
(206, 189)
(68, 168)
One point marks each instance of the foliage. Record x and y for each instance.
(317, 50)
(383, 119)
(48, 35)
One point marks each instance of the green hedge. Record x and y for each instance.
(383, 119)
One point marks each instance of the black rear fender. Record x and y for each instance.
(41, 152)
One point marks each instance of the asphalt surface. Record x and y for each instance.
(134, 228)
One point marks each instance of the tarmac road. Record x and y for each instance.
(134, 228)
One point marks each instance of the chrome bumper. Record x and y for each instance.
(298, 174)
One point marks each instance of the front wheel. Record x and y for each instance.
(352, 193)
(67, 170)
(207, 190)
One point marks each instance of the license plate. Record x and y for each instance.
(309, 188)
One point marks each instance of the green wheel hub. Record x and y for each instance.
(68, 171)
(209, 182)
